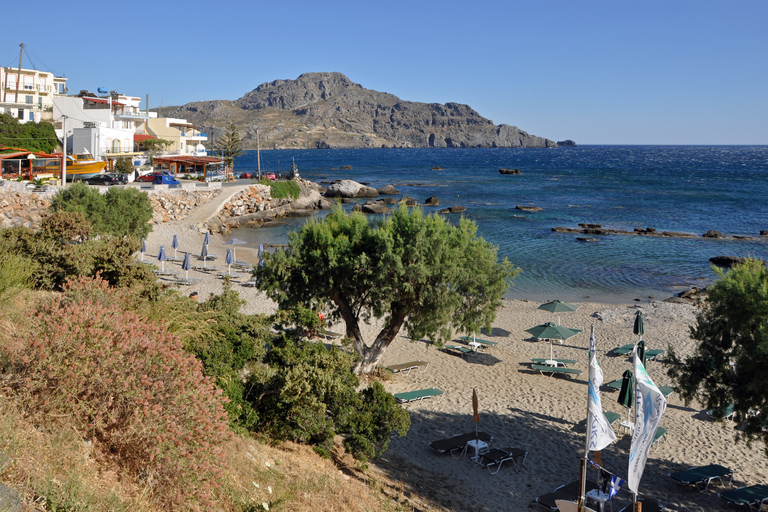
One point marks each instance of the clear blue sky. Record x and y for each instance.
(597, 72)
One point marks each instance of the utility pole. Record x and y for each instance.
(18, 74)
(258, 154)
(64, 151)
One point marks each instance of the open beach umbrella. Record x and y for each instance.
(638, 329)
(552, 331)
(161, 257)
(175, 245)
(229, 260)
(233, 243)
(627, 391)
(558, 306)
(143, 248)
(475, 415)
(186, 265)
(640, 347)
(204, 253)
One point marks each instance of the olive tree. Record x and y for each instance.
(410, 271)
(728, 366)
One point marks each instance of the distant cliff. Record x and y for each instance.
(328, 110)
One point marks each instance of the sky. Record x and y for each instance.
(596, 72)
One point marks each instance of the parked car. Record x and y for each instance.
(165, 179)
(107, 178)
(270, 176)
(146, 177)
(247, 175)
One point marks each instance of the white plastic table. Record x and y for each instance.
(478, 445)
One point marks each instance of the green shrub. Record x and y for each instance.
(283, 189)
(15, 273)
(124, 166)
(128, 385)
(307, 393)
(119, 212)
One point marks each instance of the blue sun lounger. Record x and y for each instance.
(702, 476)
(753, 496)
(419, 395)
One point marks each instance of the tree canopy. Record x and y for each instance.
(729, 364)
(230, 145)
(30, 136)
(412, 271)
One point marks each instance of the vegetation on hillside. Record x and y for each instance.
(161, 389)
(282, 189)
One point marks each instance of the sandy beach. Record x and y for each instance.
(519, 407)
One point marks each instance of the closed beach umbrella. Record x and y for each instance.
(233, 243)
(143, 248)
(175, 245)
(207, 239)
(627, 391)
(186, 265)
(161, 257)
(204, 253)
(229, 260)
(640, 347)
(475, 415)
(552, 331)
(261, 250)
(639, 323)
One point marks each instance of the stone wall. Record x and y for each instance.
(20, 206)
(173, 204)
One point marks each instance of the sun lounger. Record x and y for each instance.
(612, 417)
(728, 413)
(665, 390)
(564, 492)
(702, 476)
(651, 355)
(457, 443)
(625, 349)
(419, 395)
(405, 368)
(560, 362)
(659, 436)
(208, 256)
(459, 350)
(486, 343)
(552, 370)
(752, 496)
(499, 456)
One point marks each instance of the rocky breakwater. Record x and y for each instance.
(254, 206)
(598, 229)
(20, 206)
(175, 204)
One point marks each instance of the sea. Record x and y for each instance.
(691, 189)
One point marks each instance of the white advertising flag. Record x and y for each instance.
(599, 431)
(650, 406)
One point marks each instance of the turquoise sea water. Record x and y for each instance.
(671, 188)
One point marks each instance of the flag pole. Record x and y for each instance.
(583, 475)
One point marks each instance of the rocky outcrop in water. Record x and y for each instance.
(328, 110)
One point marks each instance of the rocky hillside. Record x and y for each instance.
(328, 110)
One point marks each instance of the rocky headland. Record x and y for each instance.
(328, 110)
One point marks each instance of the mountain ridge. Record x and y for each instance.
(327, 110)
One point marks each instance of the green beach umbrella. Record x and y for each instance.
(627, 391)
(640, 347)
(558, 306)
(638, 329)
(552, 331)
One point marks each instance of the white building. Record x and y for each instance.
(102, 126)
(186, 140)
(28, 94)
